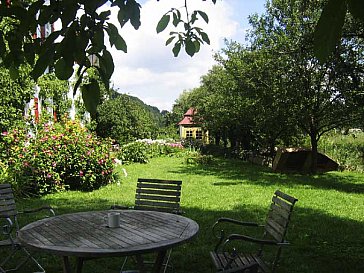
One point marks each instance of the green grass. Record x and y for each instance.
(326, 232)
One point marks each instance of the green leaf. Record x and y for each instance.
(204, 16)
(205, 37)
(42, 63)
(329, 28)
(91, 96)
(190, 48)
(69, 14)
(98, 39)
(197, 46)
(134, 11)
(356, 8)
(123, 16)
(2, 45)
(176, 49)
(64, 70)
(80, 71)
(14, 72)
(106, 66)
(29, 52)
(104, 15)
(115, 38)
(170, 40)
(176, 20)
(193, 17)
(163, 23)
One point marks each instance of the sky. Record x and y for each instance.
(149, 70)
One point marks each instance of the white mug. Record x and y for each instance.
(113, 219)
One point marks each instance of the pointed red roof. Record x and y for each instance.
(188, 117)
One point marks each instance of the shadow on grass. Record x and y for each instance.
(258, 175)
(320, 242)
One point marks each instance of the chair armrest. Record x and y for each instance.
(233, 237)
(49, 208)
(8, 228)
(237, 222)
(230, 221)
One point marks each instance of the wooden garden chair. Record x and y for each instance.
(10, 227)
(157, 195)
(227, 258)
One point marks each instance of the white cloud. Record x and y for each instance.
(149, 70)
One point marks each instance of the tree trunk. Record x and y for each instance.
(314, 154)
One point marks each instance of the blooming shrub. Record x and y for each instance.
(133, 152)
(141, 150)
(61, 155)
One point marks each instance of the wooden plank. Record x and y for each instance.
(278, 210)
(6, 202)
(8, 210)
(177, 182)
(273, 233)
(279, 229)
(4, 186)
(285, 196)
(159, 198)
(279, 219)
(158, 186)
(158, 192)
(6, 191)
(282, 204)
(156, 204)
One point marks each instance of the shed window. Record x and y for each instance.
(199, 134)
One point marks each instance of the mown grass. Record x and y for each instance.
(326, 232)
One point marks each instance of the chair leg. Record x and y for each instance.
(28, 256)
(42, 270)
(166, 263)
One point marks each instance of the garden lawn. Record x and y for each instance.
(326, 231)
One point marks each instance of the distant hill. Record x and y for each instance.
(153, 110)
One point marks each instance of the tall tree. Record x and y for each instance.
(321, 96)
(125, 119)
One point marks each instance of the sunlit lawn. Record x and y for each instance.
(326, 232)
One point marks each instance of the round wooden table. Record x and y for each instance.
(85, 235)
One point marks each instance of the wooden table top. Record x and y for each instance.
(86, 234)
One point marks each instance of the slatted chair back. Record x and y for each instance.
(279, 216)
(7, 202)
(158, 195)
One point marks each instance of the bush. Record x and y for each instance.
(60, 156)
(347, 150)
(141, 150)
(133, 152)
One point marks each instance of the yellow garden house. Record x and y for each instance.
(189, 129)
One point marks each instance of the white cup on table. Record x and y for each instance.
(113, 219)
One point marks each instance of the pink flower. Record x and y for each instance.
(4, 133)
(81, 173)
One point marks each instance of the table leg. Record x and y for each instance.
(140, 263)
(79, 264)
(159, 261)
(66, 265)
